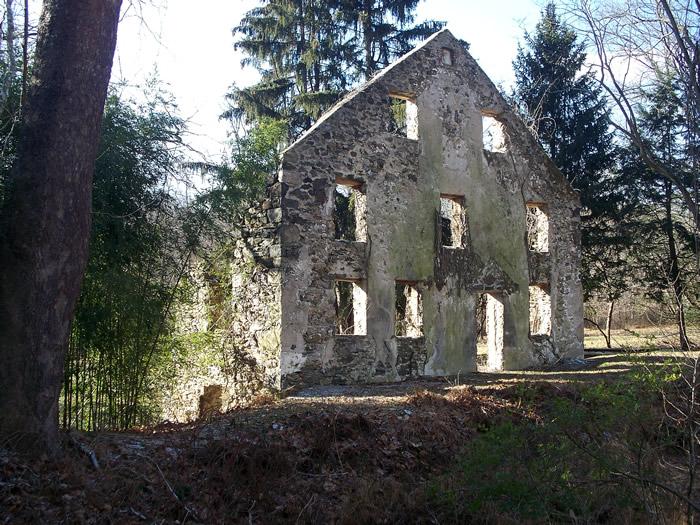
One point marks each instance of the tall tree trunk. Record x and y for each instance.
(674, 273)
(608, 323)
(45, 220)
(301, 48)
(11, 71)
(25, 54)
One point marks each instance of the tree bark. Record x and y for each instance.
(9, 77)
(45, 219)
(674, 273)
(608, 324)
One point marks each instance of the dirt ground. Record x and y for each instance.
(392, 397)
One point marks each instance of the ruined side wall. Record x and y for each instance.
(229, 338)
(403, 180)
(256, 295)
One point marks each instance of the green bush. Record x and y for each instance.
(567, 466)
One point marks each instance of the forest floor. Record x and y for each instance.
(554, 445)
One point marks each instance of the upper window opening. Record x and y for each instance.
(447, 56)
(350, 308)
(404, 116)
(453, 221)
(493, 135)
(537, 227)
(409, 310)
(350, 207)
(540, 310)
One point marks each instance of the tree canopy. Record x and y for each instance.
(310, 52)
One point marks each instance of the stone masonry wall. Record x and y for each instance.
(256, 296)
(236, 356)
(402, 179)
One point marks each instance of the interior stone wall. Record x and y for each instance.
(256, 295)
(403, 179)
(238, 355)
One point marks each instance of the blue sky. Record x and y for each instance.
(190, 44)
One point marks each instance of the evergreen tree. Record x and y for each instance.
(298, 49)
(382, 30)
(566, 109)
(310, 52)
(568, 113)
(665, 262)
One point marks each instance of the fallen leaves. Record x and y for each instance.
(289, 463)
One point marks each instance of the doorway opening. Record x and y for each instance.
(489, 332)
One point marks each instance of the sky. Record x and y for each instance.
(189, 44)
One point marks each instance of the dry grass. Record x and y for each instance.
(636, 338)
(643, 338)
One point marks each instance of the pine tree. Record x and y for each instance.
(568, 113)
(310, 52)
(564, 108)
(665, 262)
(382, 30)
(297, 47)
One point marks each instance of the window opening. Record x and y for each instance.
(537, 227)
(350, 208)
(404, 116)
(447, 56)
(409, 310)
(350, 308)
(540, 310)
(453, 221)
(493, 135)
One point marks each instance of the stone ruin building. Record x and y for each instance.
(418, 229)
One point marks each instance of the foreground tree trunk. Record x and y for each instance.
(45, 219)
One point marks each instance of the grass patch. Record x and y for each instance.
(598, 454)
(642, 338)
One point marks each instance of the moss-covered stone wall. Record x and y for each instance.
(403, 179)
